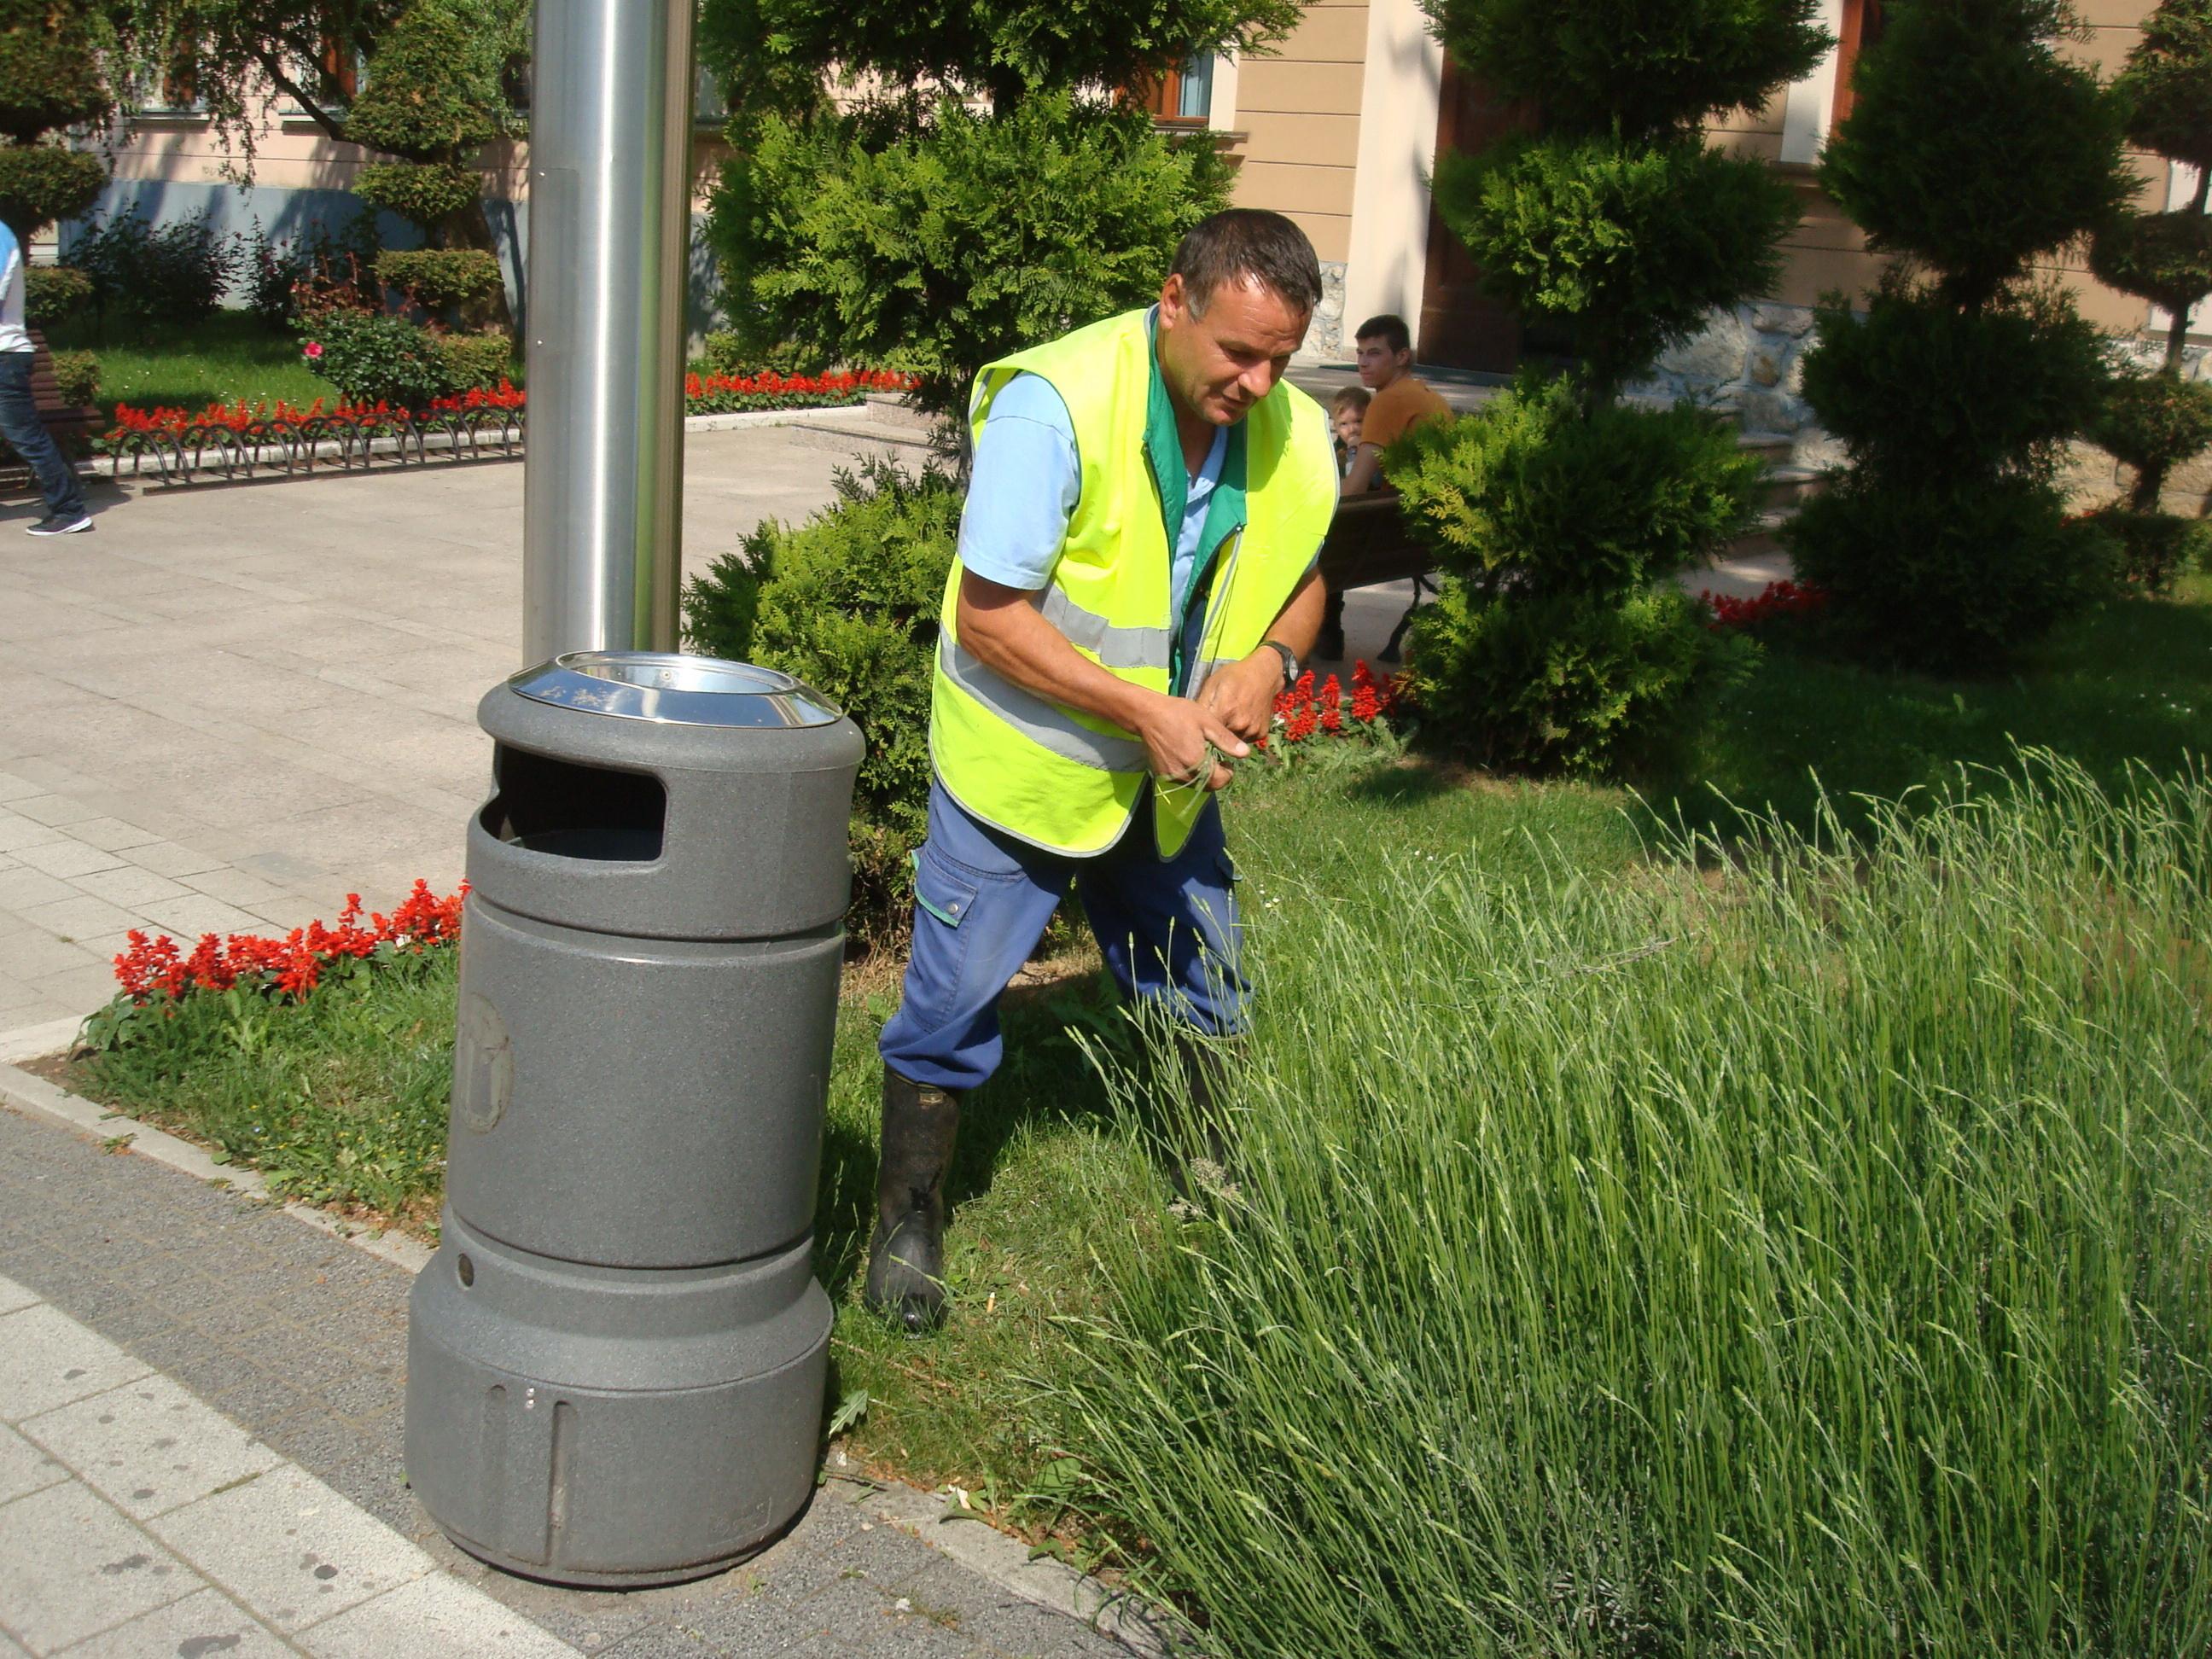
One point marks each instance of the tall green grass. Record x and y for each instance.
(1806, 1258)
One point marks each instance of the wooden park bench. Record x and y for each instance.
(74, 425)
(1367, 544)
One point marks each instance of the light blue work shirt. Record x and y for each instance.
(1023, 490)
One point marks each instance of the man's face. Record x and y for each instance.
(1218, 366)
(1378, 364)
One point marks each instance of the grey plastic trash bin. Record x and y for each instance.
(616, 1359)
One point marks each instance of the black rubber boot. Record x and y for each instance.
(906, 1257)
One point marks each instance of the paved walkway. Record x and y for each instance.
(228, 706)
(200, 1414)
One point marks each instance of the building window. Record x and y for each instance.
(1182, 96)
(1861, 28)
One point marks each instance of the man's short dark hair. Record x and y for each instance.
(1248, 245)
(1389, 328)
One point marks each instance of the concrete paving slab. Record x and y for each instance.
(13, 1296)
(431, 1615)
(71, 1567)
(24, 1468)
(206, 1625)
(48, 1361)
(150, 1446)
(290, 1549)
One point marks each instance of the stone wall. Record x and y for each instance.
(1749, 363)
(1325, 342)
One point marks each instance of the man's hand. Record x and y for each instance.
(1242, 695)
(1176, 731)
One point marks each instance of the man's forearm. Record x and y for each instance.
(1298, 624)
(1005, 632)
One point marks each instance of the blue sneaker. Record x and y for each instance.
(62, 524)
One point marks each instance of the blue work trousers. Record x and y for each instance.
(27, 437)
(1166, 927)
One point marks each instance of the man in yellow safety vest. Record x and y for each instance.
(1135, 584)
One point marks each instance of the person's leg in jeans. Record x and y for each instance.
(982, 900)
(28, 435)
(1170, 935)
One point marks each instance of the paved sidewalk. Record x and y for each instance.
(200, 1420)
(228, 706)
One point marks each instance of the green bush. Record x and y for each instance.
(1974, 151)
(373, 359)
(2164, 257)
(1917, 388)
(2167, 83)
(42, 183)
(426, 194)
(1797, 1256)
(53, 294)
(438, 279)
(2155, 547)
(1531, 496)
(848, 603)
(320, 257)
(1625, 67)
(936, 251)
(1948, 575)
(174, 275)
(77, 377)
(49, 69)
(1568, 683)
(435, 89)
(1626, 246)
(726, 351)
(2153, 422)
(474, 360)
(1547, 649)
(1973, 146)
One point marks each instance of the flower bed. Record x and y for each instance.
(235, 440)
(1781, 599)
(1304, 712)
(294, 965)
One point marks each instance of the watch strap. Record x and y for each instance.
(1290, 661)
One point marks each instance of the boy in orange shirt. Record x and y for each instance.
(1386, 367)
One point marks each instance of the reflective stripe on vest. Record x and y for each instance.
(1042, 722)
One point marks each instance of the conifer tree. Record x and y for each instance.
(992, 188)
(1559, 513)
(1973, 152)
(50, 79)
(2157, 421)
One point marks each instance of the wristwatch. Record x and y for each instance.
(1290, 661)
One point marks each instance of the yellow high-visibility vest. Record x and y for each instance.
(1053, 775)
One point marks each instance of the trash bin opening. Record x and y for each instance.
(544, 804)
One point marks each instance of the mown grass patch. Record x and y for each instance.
(229, 356)
(2129, 683)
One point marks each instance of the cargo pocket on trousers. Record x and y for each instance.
(946, 894)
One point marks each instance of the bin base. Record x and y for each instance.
(589, 1426)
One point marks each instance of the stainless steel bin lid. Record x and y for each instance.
(674, 689)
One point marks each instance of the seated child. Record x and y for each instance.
(1348, 412)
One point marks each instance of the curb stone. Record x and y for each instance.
(936, 1519)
